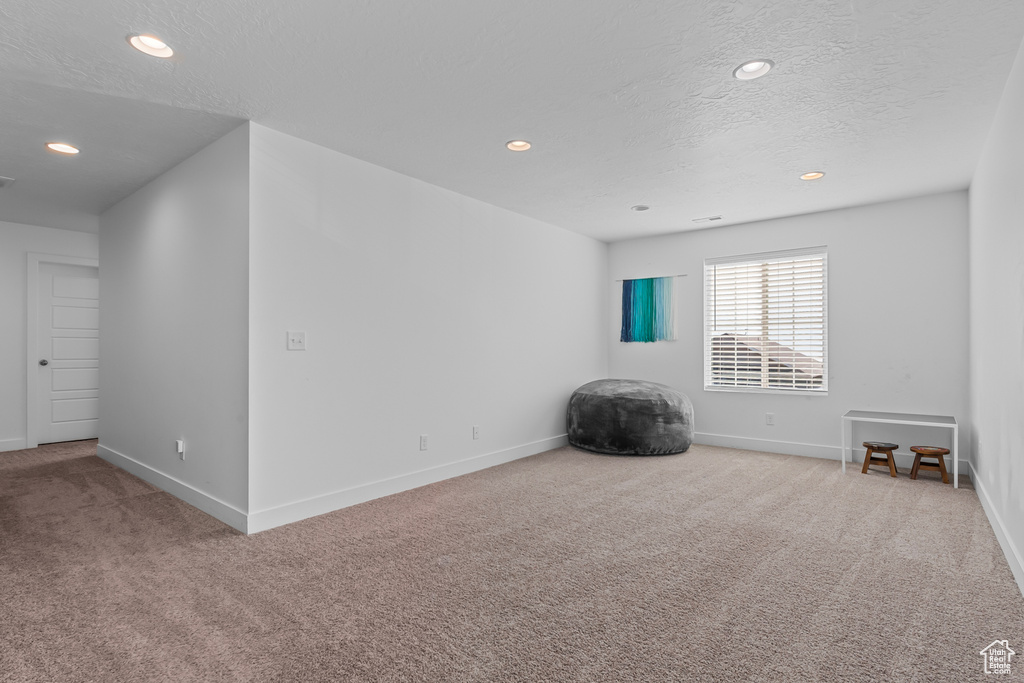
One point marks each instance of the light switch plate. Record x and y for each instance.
(296, 341)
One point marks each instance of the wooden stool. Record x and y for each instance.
(879, 447)
(929, 452)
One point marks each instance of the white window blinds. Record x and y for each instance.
(766, 323)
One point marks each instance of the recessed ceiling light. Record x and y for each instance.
(518, 145)
(151, 45)
(812, 175)
(755, 68)
(640, 207)
(61, 148)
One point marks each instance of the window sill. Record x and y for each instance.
(759, 390)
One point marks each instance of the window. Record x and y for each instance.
(766, 323)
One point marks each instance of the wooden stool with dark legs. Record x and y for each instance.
(929, 452)
(879, 447)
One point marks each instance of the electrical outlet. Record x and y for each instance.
(769, 419)
(179, 445)
(423, 442)
(476, 432)
(296, 341)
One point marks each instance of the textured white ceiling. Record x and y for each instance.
(125, 142)
(626, 102)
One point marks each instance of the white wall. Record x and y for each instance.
(174, 319)
(997, 322)
(426, 313)
(897, 297)
(16, 242)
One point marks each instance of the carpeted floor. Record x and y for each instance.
(713, 565)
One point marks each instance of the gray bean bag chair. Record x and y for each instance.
(629, 417)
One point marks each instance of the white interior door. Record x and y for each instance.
(68, 349)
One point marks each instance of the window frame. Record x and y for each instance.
(763, 258)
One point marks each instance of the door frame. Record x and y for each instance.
(35, 261)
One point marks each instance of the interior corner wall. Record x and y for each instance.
(997, 322)
(16, 242)
(425, 313)
(897, 325)
(174, 324)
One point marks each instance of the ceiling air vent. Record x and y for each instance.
(4, 182)
(707, 219)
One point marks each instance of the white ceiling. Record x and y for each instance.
(626, 102)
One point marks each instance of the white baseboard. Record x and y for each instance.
(12, 445)
(311, 507)
(903, 459)
(768, 445)
(212, 506)
(1013, 555)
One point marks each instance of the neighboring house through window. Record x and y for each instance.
(766, 322)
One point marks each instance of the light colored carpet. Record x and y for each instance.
(713, 565)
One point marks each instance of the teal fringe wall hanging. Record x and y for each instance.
(648, 310)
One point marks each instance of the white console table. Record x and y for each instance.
(946, 421)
